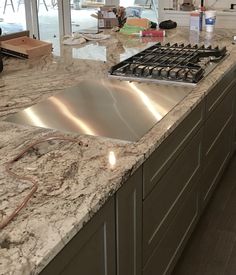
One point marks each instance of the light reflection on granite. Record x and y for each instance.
(74, 180)
(90, 52)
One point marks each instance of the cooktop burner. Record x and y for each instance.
(177, 62)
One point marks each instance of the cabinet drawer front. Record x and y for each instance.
(162, 204)
(219, 91)
(170, 247)
(217, 121)
(215, 163)
(158, 163)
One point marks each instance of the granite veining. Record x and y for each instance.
(75, 178)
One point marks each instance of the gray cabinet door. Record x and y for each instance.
(129, 226)
(166, 154)
(234, 123)
(219, 91)
(217, 142)
(92, 250)
(165, 201)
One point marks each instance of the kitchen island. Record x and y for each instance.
(78, 179)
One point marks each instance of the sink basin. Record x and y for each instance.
(115, 109)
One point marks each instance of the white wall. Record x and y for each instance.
(214, 4)
(217, 4)
(112, 2)
(210, 4)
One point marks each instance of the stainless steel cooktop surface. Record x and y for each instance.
(109, 108)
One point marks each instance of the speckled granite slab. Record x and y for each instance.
(75, 178)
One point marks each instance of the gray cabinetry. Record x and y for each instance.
(234, 123)
(170, 198)
(160, 161)
(92, 250)
(234, 120)
(129, 226)
(110, 243)
(218, 136)
(170, 211)
(180, 176)
(171, 245)
(219, 91)
(169, 194)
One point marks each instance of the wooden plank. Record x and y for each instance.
(27, 46)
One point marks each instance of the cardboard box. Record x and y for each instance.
(107, 18)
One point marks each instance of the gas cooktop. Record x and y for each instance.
(176, 63)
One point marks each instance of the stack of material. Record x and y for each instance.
(140, 22)
(135, 25)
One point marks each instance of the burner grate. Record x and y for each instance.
(176, 62)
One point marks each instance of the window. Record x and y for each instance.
(12, 16)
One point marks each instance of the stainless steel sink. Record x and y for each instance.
(110, 108)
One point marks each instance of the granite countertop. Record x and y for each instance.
(75, 178)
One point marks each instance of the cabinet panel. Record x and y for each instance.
(162, 204)
(219, 91)
(171, 245)
(218, 119)
(92, 250)
(217, 143)
(129, 226)
(215, 163)
(234, 123)
(165, 155)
